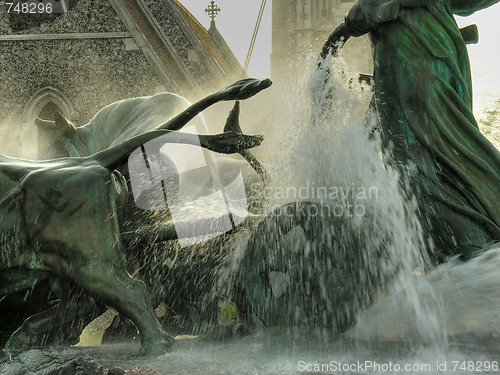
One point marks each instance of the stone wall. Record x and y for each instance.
(184, 48)
(91, 73)
(83, 16)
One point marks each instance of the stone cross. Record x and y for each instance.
(212, 10)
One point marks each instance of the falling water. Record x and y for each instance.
(335, 156)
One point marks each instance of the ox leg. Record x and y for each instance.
(129, 296)
(72, 215)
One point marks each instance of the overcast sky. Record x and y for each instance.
(485, 57)
(237, 19)
(236, 22)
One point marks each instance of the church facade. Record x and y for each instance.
(87, 54)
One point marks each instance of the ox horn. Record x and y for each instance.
(64, 125)
(240, 90)
(61, 125)
(233, 124)
(233, 120)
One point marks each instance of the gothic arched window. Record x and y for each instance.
(42, 104)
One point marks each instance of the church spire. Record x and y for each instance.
(212, 10)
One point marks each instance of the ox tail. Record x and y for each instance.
(227, 143)
(116, 156)
(233, 124)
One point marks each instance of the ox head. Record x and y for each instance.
(61, 134)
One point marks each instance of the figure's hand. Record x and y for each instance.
(365, 15)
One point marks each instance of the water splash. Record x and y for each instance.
(334, 154)
(470, 298)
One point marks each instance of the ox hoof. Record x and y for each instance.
(156, 348)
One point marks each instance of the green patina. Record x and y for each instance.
(423, 95)
(59, 221)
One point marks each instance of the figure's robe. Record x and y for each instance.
(423, 94)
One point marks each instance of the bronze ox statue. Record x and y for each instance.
(60, 218)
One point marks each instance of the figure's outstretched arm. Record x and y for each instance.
(336, 40)
(366, 15)
(363, 17)
(467, 7)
